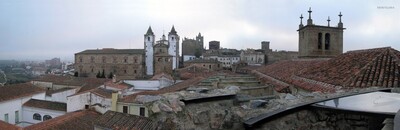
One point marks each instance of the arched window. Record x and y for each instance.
(148, 38)
(319, 40)
(37, 116)
(327, 41)
(47, 117)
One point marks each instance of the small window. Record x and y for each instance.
(125, 109)
(166, 59)
(172, 38)
(135, 60)
(6, 117)
(159, 59)
(142, 111)
(125, 71)
(327, 41)
(160, 50)
(134, 71)
(319, 40)
(148, 38)
(125, 60)
(37, 116)
(16, 117)
(86, 106)
(47, 117)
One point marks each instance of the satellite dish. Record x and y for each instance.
(3, 78)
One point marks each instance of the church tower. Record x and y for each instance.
(318, 41)
(200, 40)
(148, 46)
(173, 49)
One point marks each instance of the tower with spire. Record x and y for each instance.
(173, 49)
(161, 56)
(149, 40)
(319, 41)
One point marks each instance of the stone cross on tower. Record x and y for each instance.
(329, 20)
(340, 24)
(309, 21)
(301, 21)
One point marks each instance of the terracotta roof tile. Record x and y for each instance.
(14, 91)
(58, 106)
(176, 87)
(361, 68)
(50, 92)
(113, 51)
(160, 75)
(79, 120)
(122, 121)
(121, 86)
(7, 126)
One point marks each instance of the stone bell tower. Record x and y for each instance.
(319, 41)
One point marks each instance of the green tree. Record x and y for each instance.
(98, 74)
(110, 76)
(102, 74)
(197, 53)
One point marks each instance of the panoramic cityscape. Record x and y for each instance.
(177, 64)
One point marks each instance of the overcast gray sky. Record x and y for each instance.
(43, 29)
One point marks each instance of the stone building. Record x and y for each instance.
(318, 41)
(162, 60)
(252, 57)
(227, 57)
(213, 45)
(153, 66)
(212, 65)
(125, 63)
(192, 46)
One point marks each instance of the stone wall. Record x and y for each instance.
(323, 119)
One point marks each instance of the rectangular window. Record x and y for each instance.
(6, 117)
(125, 109)
(142, 111)
(86, 106)
(16, 117)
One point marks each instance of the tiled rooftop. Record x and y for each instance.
(122, 121)
(113, 51)
(102, 92)
(50, 92)
(58, 106)
(85, 83)
(14, 91)
(361, 68)
(194, 71)
(7, 126)
(121, 86)
(79, 120)
(160, 75)
(176, 87)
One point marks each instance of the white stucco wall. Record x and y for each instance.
(78, 102)
(188, 57)
(11, 106)
(62, 96)
(27, 114)
(144, 84)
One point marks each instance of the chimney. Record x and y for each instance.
(114, 99)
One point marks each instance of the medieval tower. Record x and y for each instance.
(148, 46)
